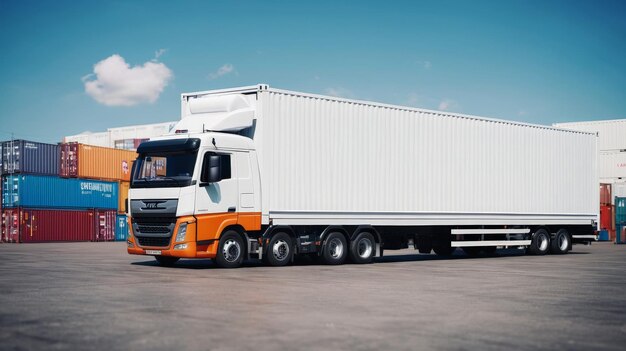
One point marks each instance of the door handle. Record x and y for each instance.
(232, 209)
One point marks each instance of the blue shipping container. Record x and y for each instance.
(21, 156)
(35, 191)
(121, 228)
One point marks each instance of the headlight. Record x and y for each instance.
(182, 231)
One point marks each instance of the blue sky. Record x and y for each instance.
(533, 61)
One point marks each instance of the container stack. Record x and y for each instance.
(607, 211)
(65, 192)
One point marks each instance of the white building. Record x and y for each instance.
(611, 147)
(122, 137)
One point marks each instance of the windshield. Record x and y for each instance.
(164, 170)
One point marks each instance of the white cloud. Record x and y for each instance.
(447, 104)
(115, 83)
(339, 92)
(222, 71)
(521, 113)
(158, 54)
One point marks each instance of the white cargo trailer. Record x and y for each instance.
(268, 173)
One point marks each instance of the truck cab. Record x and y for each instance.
(190, 187)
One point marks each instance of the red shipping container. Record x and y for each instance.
(606, 217)
(605, 194)
(30, 225)
(106, 221)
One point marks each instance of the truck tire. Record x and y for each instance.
(561, 242)
(230, 250)
(335, 249)
(540, 243)
(279, 250)
(166, 261)
(363, 248)
(472, 250)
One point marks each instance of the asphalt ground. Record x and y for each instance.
(84, 296)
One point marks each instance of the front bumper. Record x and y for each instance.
(192, 250)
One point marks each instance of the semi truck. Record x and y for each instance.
(262, 173)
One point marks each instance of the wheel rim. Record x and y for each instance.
(542, 242)
(231, 250)
(280, 249)
(364, 248)
(335, 248)
(563, 242)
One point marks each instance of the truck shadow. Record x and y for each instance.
(389, 257)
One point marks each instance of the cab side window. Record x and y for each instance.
(215, 167)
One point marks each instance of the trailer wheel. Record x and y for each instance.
(472, 250)
(561, 242)
(279, 250)
(166, 261)
(362, 248)
(540, 243)
(335, 249)
(230, 250)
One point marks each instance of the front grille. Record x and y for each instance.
(152, 241)
(153, 229)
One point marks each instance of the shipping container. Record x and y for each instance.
(37, 225)
(611, 133)
(105, 224)
(617, 190)
(606, 217)
(121, 230)
(612, 164)
(28, 157)
(47, 225)
(122, 206)
(93, 162)
(605, 194)
(620, 219)
(37, 191)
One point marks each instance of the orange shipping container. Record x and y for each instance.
(94, 162)
(123, 197)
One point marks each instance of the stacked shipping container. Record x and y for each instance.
(66, 192)
(606, 212)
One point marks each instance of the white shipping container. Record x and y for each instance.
(612, 133)
(328, 160)
(612, 165)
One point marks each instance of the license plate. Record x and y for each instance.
(153, 252)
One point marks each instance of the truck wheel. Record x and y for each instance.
(540, 243)
(561, 242)
(444, 250)
(335, 249)
(166, 261)
(230, 250)
(362, 248)
(279, 250)
(472, 250)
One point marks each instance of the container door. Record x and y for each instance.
(28, 227)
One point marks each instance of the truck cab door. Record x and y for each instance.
(217, 203)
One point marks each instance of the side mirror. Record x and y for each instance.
(211, 169)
